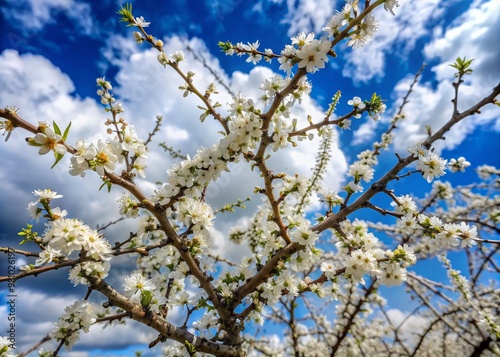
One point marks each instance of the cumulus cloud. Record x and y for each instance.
(32, 15)
(408, 326)
(396, 35)
(365, 132)
(301, 16)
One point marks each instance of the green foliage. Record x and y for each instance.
(462, 65)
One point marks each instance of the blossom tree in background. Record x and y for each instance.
(312, 279)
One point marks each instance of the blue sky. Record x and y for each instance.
(52, 51)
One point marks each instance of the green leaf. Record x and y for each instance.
(126, 14)
(146, 297)
(225, 46)
(58, 158)
(56, 128)
(28, 234)
(66, 132)
(462, 65)
(106, 183)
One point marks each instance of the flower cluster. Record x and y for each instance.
(76, 317)
(143, 291)
(437, 233)
(254, 55)
(429, 163)
(63, 236)
(191, 176)
(129, 207)
(195, 214)
(363, 32)
(487, 172)
(69, 234)
(365, 256)
(106, 155)
(360, 170)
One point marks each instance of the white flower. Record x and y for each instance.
(286, 57)
(334, 24)
(359, 263)
(329, 269)
(393, 274)
(418, 150)
(431, 166)
(163, 59)
(102, 82)
(305, 236)
(331, 198)
(96, 246)
(128, 206)
(405, 205)
(360, 171)
(104, 158)
(353, 187)
(76, 317)
(139, 166)
(468, 234)
(89, 268)
(313, 55)
(138, 37)
(253, 55)
(269, 55)
(302, 39)
(192, 211)
(47, 194)
(135, 284)
(366, 30)
(178, 56)
(357, 103)
(49, 140)
(459, 164)
(47, 255)
(139, 22)
(407, 224)
(34, 210)
(442, 190)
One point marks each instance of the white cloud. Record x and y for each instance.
(306, 15)
(43, 12)
(396, 35)
(302, 15)
(365, 132)
(408, 328)
(474, 34)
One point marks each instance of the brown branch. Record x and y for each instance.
(158, 323)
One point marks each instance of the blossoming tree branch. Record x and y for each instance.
(315, 279)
